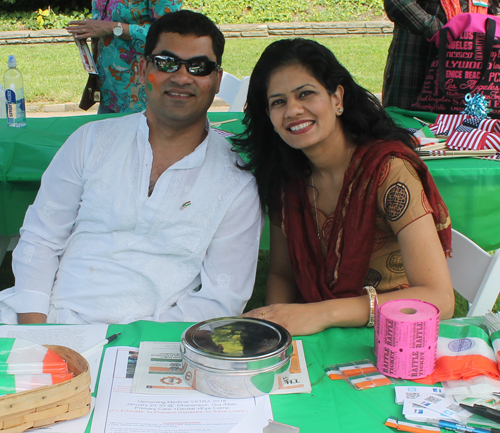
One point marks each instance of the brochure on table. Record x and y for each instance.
(160, 371)
(118, 410)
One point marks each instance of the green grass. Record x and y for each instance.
(224, 12)
(53, 72)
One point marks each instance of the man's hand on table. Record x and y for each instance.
(31, 318)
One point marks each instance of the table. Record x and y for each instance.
(332, 406)
(470, 187)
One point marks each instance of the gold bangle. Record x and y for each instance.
(372, 294)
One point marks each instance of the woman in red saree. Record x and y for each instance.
(351, 204)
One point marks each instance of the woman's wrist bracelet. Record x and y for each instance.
(372, 295)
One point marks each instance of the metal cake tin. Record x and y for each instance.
(235, 357)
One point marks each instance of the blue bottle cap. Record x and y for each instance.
(12, 63)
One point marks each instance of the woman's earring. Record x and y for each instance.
(340, 110)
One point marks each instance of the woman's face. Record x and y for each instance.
(301, 110)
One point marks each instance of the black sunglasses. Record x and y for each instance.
(198, 68)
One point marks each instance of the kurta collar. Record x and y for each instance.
(192, 160)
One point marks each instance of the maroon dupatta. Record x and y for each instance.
(343, 272)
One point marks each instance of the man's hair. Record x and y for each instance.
(185, 22)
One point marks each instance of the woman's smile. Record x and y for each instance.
(300, 127)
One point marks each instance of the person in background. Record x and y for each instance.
(145, 216)
(351, 205)
(120, 28)
(411, 54)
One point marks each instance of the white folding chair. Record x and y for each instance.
(475, 274)
(233, 91)
(7, 243)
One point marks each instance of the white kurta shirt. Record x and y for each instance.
(95, 248)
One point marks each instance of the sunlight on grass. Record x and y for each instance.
(53, 72)
(364, 57)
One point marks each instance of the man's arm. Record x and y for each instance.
(46, 228)
(228, 271)
(411, 16)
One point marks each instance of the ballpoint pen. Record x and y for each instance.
(457, 427)
(100, 344)
(484, 411)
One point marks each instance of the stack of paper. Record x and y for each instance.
(422, 403)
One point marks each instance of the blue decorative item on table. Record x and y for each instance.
(476, 105)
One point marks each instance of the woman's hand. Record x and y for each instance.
(83, 29)
(298, 319)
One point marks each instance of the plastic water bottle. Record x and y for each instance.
(14, 95)
(3, 112)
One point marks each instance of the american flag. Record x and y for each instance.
(463, 128)
(447, 123)
(490, 125)
(473, 122)
(492, 141)
(494, 157)
(473, 140)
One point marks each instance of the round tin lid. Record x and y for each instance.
(236, 343)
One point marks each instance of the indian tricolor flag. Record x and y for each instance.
(463, 351)
(495, 341)
(12, 383)
(25, 357)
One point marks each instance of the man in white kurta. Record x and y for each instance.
(142, 217)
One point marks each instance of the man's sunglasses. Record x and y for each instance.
(198, 68)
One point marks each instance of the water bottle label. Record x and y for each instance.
(10, 100)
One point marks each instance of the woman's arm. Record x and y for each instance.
(427, 272)
(132, 28)
(83, 29)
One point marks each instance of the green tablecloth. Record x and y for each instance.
(332, 406)
(470, 187)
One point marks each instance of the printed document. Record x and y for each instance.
(118, 410)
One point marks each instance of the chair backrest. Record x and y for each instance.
(475, 274)
(233, 91)
(7, 243)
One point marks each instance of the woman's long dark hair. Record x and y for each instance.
(272, 161)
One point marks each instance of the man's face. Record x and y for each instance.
(179, 98)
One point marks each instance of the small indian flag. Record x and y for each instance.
(480, 3)
(12, 383)
(19, 356)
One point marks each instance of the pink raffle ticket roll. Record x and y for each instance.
(406, 334)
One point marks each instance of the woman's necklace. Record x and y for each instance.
(315, 207)
(315, 196)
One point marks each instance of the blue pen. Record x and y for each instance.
(454, 426)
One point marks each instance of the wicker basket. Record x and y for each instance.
(49, 404)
